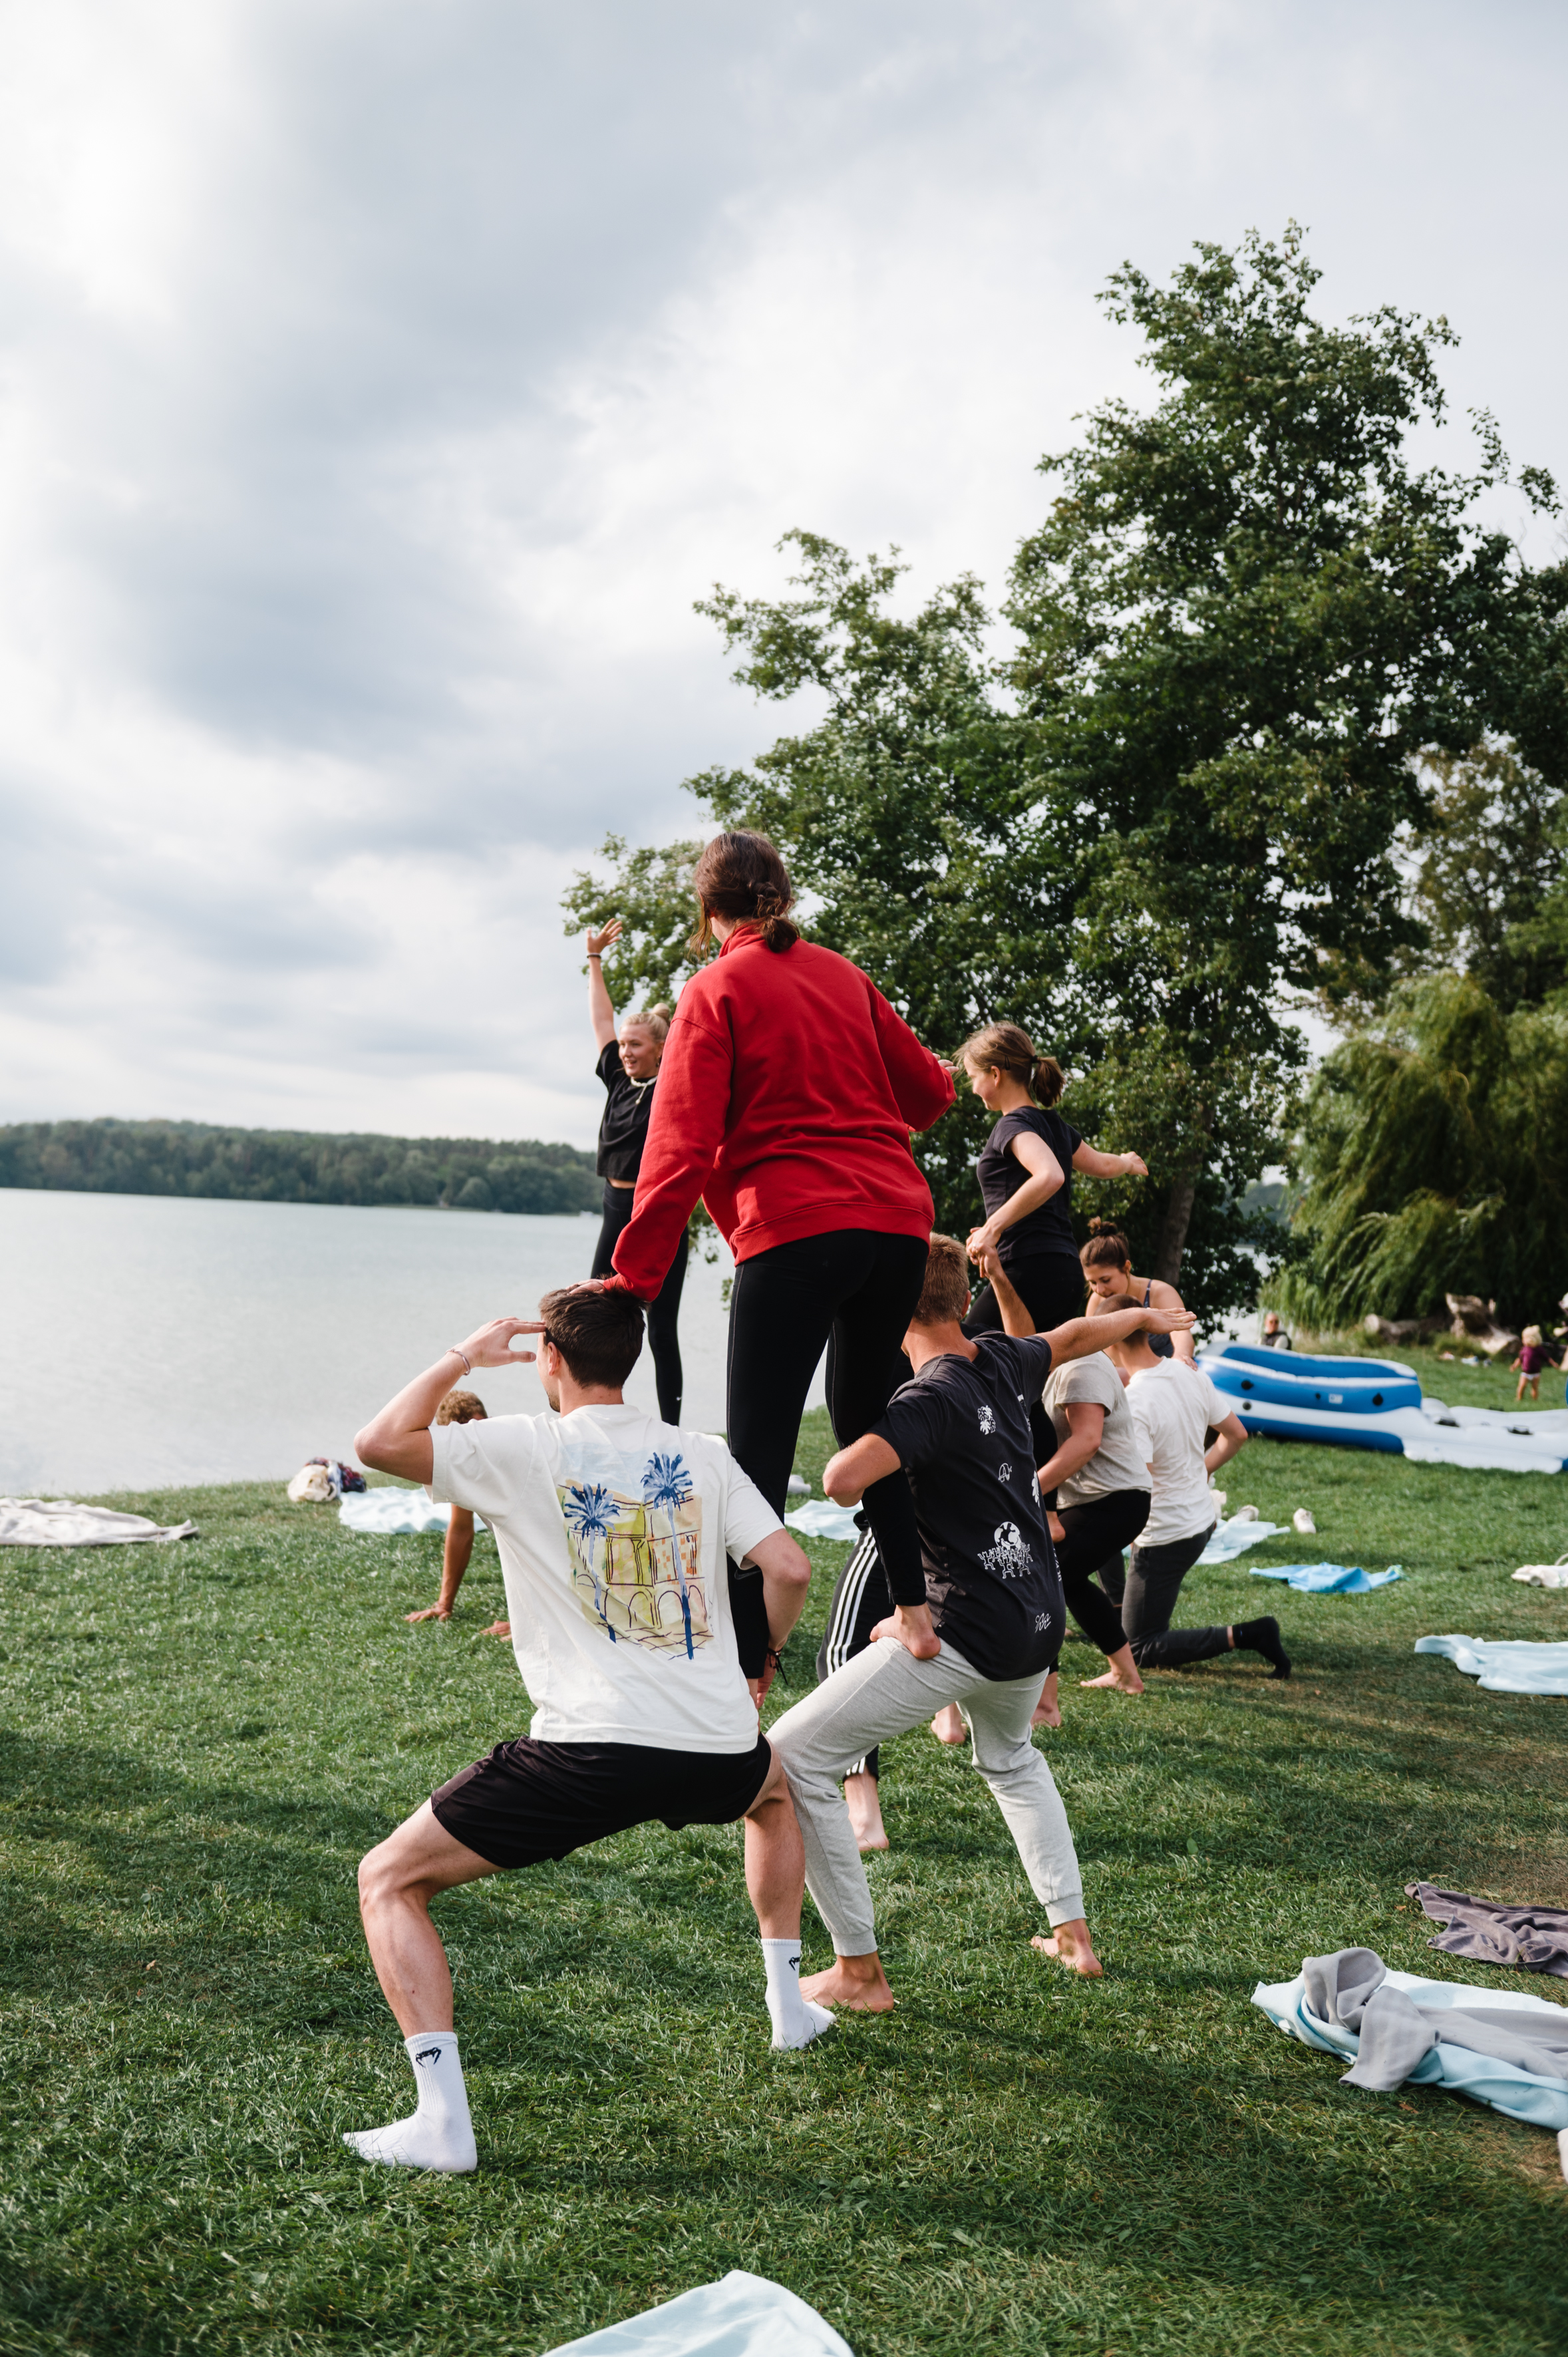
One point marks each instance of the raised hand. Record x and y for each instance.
(491, 1346)
(605, 938)
(1168, 1321)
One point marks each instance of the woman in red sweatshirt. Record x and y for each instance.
(785, 1097)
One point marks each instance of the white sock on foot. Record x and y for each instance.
(439, 2134)
(796, 2020)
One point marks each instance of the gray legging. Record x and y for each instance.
(1146, 1597)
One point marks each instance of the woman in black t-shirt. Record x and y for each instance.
(1026, 1180)
(628, 1068)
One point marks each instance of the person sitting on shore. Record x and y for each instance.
(612, 1529)
(457, 1407)
(1274, 1335)
(991, 1620)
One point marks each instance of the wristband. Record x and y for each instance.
(454, 1352)
(593, 954)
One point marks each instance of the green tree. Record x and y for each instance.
(1430, 1146)
(1177, 799)
(1491, 852)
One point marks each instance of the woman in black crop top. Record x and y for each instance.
(628, 1068)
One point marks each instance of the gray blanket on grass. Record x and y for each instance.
(1351, 1988)
(1535, 1937)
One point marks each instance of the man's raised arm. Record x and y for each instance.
(398, 1439)
(1080, 1336)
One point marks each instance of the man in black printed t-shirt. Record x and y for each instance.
(991, 1620)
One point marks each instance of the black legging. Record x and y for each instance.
(859, 1601)
(1090, 1532)
(1147, 1597)
(663, 1337)
(854, 1290)
(1050, 1286)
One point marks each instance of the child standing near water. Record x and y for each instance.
(1530, 1361)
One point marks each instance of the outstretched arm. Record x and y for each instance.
(1095, 1165)
(398, 1439)
(1079, 1336)
(601, 1006)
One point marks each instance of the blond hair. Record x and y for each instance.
(651, 1018)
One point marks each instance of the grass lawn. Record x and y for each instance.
(201, 1742)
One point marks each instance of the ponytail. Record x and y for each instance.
(1012, 1050)
(740, 875)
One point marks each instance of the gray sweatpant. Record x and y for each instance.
(882, 1693)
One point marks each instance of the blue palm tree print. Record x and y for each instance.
(592, 1513)
(667, 1483)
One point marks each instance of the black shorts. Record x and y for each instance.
(529, 1802)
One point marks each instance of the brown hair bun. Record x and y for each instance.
(740, 875)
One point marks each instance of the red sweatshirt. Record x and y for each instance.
(785, 1094)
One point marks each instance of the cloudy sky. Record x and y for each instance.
(383, 380)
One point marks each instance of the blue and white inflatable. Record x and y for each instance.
(1377, 1403)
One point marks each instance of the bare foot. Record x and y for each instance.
(864, 1802)
(1070, 1945)
(1047, 1710)
(948, 1726)
(1127, 1686)
(497, 1629)
(431, 1612)
(858, 1982)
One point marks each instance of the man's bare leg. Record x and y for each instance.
(858, 1982)
(397, 1882)
(1069, 1943)
(949, 1725)
(1047, 1710)
(863, 1799)
(1121, 1672)
(776, 1882)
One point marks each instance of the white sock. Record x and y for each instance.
(796, 2020)
(439, 2134)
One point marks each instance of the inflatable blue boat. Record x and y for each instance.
(1377, 1403)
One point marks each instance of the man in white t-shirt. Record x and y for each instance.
(1174, 1406)
(613, 1531)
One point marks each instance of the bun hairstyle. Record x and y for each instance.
(1107, 1248)
(1013, 1052)
(741, 876)
(652, 1018)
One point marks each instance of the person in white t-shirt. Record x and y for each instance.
(1172, 1407)
(613, 1531)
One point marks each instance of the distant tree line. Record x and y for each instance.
(286, 1165)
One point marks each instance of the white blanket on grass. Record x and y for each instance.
(59, 1522)
(1505, 1664)
(394, 1513)
(741, 2316)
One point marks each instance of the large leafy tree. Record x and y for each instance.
(1176, 799)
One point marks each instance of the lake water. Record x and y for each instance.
(149, 1341)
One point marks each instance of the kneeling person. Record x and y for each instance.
(613, 1531)
(992, 1618)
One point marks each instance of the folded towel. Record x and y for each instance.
(57, 1522)
(1328, 1578)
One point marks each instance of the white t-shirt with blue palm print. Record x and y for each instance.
(613, 1530)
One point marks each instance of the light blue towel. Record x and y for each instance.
(1543, 2103)
(393, 1514)
(1505, 1664)
(819, 1518)
(1328, 1578)
(742, 2316)
(1234, 1537)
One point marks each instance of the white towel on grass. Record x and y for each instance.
(394, 1513)
(741, 2316)
(59, 1522)
(1505, 1664)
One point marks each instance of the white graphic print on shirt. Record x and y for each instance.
(986, 1417)
(1011, 1557)
(636, 1553)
